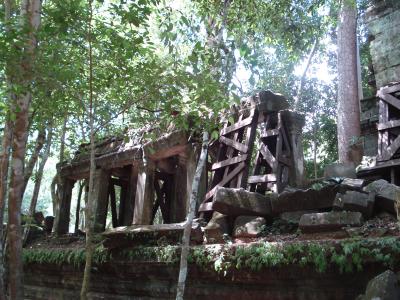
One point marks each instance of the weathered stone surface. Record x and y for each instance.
(268, 101)
(159, 234)
(385, 194)
(340, 170)
(166, 146)
(383, 20)
(127, 280)
(237, 202)
(353, 184)
(318, 222)
(355, 201)
(248, 226)
(295, 200)
(294, 216)
(216, 228)
(385, 286)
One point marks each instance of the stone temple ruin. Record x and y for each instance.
(266, 232)
(158, 174)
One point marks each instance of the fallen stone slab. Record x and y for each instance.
(329, 221)
(149, 235)
(239, 202)
(294, 217)
(216, 228)
(385, 198)
(248, 226)
(355, 201)
(352, 184)
(311, 199)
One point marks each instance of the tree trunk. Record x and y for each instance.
(89, 207)
(44, 157)
(15, 197)
(4, 164)
(303, 76)
(189, 219)
(34, 157)
(348, 104)
(30, 16)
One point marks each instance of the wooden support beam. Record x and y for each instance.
(391, 100)
(61, 222)
(237, 145)
(392, 149)
(389, 89)
(144, 197)
(268, 156)
(226, 180)
(236, 126)
(389, 124)
(229, 161)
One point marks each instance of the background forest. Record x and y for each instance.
(156, 62)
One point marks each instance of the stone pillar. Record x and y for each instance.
(183, 179)
(130, 194)
(61, 222)
(294, 123)
(144, 198)
(100, 198)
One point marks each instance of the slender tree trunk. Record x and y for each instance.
(315, 156)
(30, 17)
(15, 197)
(43, 159)
(303, 76)
(189, 219)
(34, 157)
(4, 164)
(348, 104)
(90, 204)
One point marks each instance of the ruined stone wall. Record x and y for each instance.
(383, 22)
(158, 281)
(369, 118)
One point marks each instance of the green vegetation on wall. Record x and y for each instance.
(348, 256)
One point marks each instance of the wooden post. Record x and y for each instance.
(100, 190)
(61, 222)
(144, 197)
